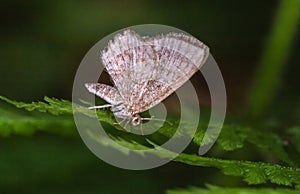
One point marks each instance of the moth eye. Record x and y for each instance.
(135, 121)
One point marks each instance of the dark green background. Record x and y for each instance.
(43, 42)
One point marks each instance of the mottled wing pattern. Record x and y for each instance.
(106, 92)
(180, 57)
(146, 70)
(118, 60)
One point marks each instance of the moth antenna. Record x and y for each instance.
(99, 107)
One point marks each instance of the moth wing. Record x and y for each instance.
(146, 70)
(106, 92)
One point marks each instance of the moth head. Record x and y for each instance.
(136, 120)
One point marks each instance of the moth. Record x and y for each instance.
(146, 70)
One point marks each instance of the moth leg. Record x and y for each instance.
(141, 128)
(119, 123)
(126, 125)
(101, 106)
(155, 119)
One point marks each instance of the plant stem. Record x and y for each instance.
(275, 55)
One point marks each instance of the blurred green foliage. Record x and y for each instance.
(277, 51)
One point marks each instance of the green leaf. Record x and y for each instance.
(211, 189)
(252, 172)
(232, 137)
